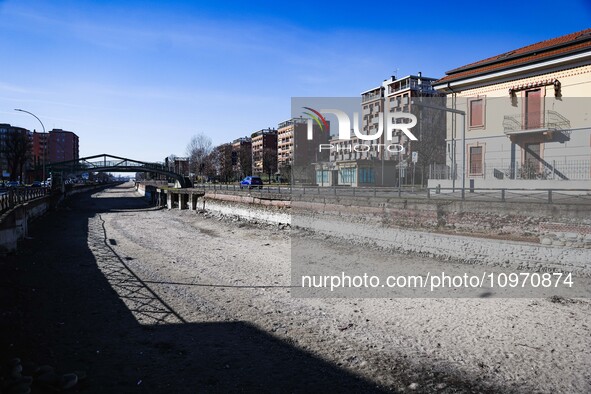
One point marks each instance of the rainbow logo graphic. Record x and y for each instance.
(318, 118)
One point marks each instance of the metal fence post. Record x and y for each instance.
(549, 196)
(428, 193)
(503, 195)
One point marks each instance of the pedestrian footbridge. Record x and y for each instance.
(110, 163)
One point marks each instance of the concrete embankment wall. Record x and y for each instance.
(14, 223)
(557, 224)
(523, 221)
(495, 252)
(149, 191)
(263, 208)
(502, 234)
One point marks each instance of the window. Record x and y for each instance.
(476, 160)
(347, 176)
(476, 108)
(322, 177)
(366, 175)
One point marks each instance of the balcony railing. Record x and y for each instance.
(369, 97)
(544, 120)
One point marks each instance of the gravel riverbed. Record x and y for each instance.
(173, 301)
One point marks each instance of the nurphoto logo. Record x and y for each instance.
(344, 129)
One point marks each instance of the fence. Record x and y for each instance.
(550, 196)
(531, 170)
(10, 198)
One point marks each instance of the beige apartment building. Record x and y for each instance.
(264, 151)
(521, 118)
(286, 140)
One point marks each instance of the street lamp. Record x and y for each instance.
(46, 139)
(459, 112)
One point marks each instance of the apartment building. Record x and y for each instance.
(296, 154)
(15, 151)
(357, 162)
(242, 157)
(180, 165)
(264, 151)
(39, 152)
(520, 118)
(62, 145)
(372, 109)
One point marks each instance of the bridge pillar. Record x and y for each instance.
(183, 200)
(169, 200)
(193, 201)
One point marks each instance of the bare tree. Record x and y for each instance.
(198, 150)
(16, 150)
(225, 171)
(210, 167)
(245, 160)
(269, 162)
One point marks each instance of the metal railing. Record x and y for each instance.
(533, 170)
(536, 120)
(550, 196)
(10, 198)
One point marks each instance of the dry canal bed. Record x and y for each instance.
(150, 300)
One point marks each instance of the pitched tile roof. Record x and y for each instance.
(544, 50)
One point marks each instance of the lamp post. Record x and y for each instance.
(44, 142)
(463, 114)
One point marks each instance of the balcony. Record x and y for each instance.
(549, 123)
(369, 97)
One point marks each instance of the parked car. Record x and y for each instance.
(36, 184)
(251, 181)
(13, 184)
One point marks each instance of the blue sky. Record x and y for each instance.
(139, 78)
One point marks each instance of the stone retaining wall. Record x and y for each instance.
(430, 229)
